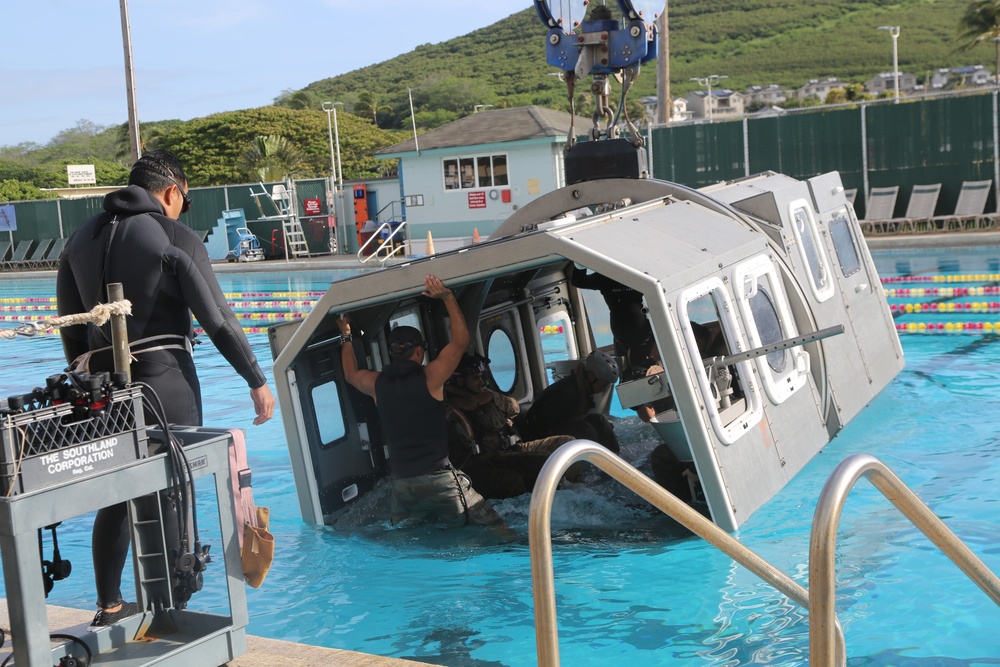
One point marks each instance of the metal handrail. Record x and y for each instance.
(540, 539)
(823, 543)
(387, 242)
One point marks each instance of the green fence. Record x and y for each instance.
(59, 218)
(941, 139)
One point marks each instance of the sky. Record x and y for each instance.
(62, 61)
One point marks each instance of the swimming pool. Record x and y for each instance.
(630, 588)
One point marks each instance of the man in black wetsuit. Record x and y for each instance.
(410, 401)
(167, 275)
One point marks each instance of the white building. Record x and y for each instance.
(724, 103)
(886, 82)
(472, 174)
(679, 110)
(958, 77)
(770, 95)
(819, 88)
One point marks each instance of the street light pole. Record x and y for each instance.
(336, 172)
(894, 32)
(708, 82)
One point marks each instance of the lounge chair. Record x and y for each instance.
(36, 257)
(881, 203)
(51, 260)
(20, 252)
(4, 251)
(970, 205)
(919, 211)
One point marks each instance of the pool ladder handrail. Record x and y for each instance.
(823, 544)
(386, 243)
(827, 646)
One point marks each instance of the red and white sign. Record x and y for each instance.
(477, 200)
(312, 206)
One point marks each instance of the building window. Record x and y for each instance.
(484, 171)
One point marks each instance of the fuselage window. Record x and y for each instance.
(811, 250)
(712, 332)
(329, 418)
(768, 318)
(503, 359)
(843, 242)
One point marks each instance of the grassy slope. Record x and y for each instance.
(752, 41)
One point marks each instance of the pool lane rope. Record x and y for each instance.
(976, 328)
(957, 278)
(99, 315)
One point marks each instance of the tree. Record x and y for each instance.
(981, 23)
(13, 190)
(296, 99)
(271, 158)
(370, 104)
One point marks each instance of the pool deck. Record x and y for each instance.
(261, 652)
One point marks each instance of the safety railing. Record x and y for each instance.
(388, 244)
(823, 544)
(540, 540)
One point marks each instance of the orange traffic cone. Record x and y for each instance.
(475, 235)
(430, 244)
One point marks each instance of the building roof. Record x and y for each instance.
(494, 126)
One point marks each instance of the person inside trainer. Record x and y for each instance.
(409, 397)
(565, 406)
(500, 462)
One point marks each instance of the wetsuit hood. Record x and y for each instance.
(132, 200)
(402, 368)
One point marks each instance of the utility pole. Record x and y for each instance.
(665, 106)
(133, 113)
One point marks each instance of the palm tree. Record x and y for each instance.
(981, 23)
(271, 158)
(370, 104)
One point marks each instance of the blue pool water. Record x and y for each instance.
(630, 589)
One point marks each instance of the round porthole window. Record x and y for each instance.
(503, 367)
(494, 194)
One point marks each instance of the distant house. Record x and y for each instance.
(679, 112)
(723, 103)
(770, 95)
(958, 77)
(886, 81)
(819, 88)
(472, 174)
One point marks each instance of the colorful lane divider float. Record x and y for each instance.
(954, 278)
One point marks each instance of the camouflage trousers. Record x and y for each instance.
(443, 496)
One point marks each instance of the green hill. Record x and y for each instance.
(785, 42)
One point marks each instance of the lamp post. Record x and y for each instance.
(336, 168)
(708, 82)
(893, 30)
(476, 108)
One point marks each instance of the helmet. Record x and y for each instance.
(471, 364)
(602, 365)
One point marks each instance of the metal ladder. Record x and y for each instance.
(826, 637)
(286, 202)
